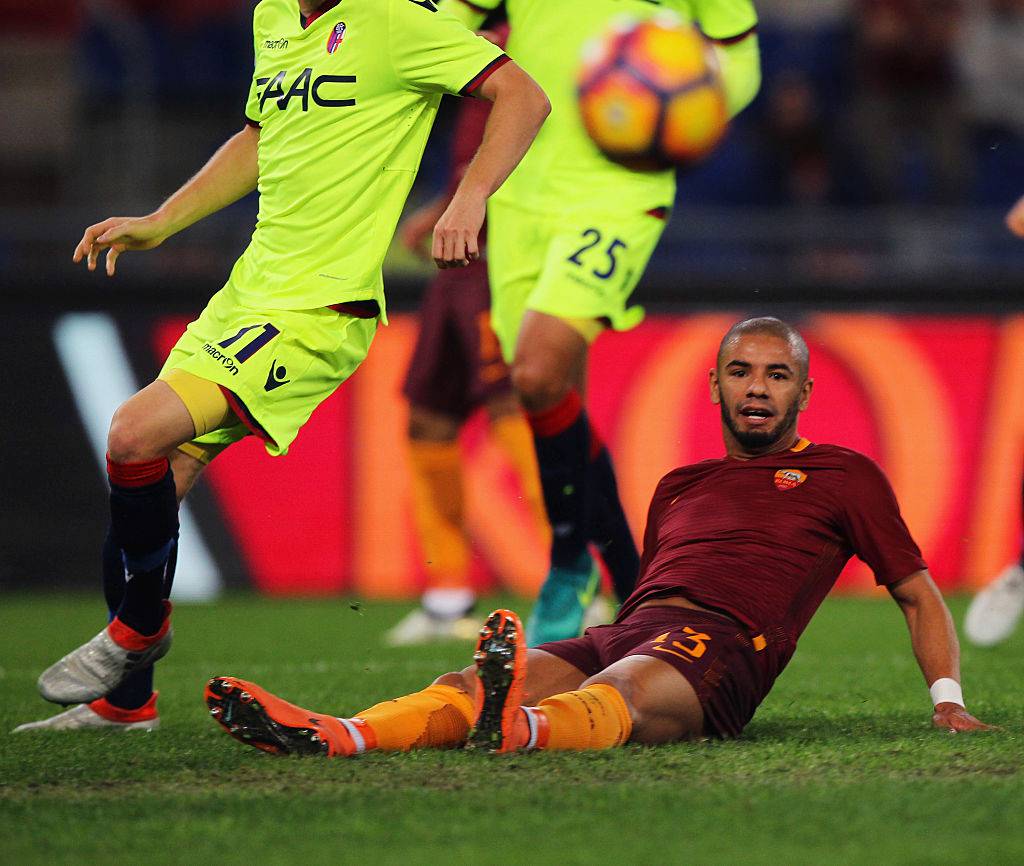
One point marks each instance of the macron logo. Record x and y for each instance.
(218, 355)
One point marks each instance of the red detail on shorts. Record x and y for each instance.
(368, 309)
(128, 638)
(484, 74)
(243, 414)
(660, 213)
(596, 443)
(102, 707)
(137, 474)
(558, 418)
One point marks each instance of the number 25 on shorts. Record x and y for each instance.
(600, 269)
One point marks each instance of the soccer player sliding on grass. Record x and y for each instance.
(739, 552)
(340, 107)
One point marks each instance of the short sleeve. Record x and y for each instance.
(470, 13)
(874, 525)
(252, 102)
(725, 20)
(432, 52)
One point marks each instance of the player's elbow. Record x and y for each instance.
(741, 73)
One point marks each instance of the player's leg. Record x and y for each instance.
(439, 716)
(436, 386)
(996, 610)
(140, 552)
(550, 355)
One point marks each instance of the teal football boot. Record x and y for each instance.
(563, 600)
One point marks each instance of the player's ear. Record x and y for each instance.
(716, 396)
(805, 393)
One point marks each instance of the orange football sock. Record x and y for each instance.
(438, 510)
(439, 717)
(512, 433)
(595, 717)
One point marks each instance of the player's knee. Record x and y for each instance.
(464, 679)
(126, 442)
(538, 386)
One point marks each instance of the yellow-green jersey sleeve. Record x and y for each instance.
(732, 26)
(725, 20)
(470, 14)
(252, 103)
(433, 52)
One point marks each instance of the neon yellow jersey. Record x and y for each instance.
(563, 166)
(344, 108)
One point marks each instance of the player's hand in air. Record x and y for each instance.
(116, 235)
(1015, 219)
(457, 233)
(955, 719)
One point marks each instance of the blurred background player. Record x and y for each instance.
(570, 236)
(218, 384)
(995, 611)
(455, 369)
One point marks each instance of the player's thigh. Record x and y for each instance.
(186, 469)
(148, 425)
(662, 702)
(591, 267)
(516, 244)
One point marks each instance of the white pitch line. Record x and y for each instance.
(101, 379)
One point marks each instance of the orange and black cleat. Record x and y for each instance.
(501, 668)
(257, 718)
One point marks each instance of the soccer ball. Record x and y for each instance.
(650, 94)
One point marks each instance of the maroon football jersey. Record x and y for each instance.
(764, 540)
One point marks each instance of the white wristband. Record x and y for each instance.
(947, 691)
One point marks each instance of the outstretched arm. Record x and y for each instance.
(933, 638)
(520, 108)
(229, 174)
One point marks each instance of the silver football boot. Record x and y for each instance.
(82, 718)
(96, 668)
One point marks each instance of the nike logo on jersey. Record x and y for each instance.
(305, 87)
(277, 376)
(429, 5)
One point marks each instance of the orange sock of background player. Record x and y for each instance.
(438, 509)
(595, 717)
(439, 717)
(512, 433)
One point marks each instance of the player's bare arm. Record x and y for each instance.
(934, 640)
(520, 107)
(228, 175)
(1015, 218)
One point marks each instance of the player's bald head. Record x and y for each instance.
(772, 327)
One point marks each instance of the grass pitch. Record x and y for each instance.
(839, 765)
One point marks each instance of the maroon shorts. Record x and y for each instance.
(457, 364)
(730, 670)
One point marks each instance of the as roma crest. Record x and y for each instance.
(787, 479)
(334, 40)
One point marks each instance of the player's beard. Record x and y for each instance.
(761, 440)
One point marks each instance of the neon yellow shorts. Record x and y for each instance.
(278, 365)
(571, 264)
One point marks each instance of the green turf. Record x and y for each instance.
(839, 765)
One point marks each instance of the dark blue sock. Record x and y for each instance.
(561, 437)
(609, 529)
(136, 689)
(144, 525)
